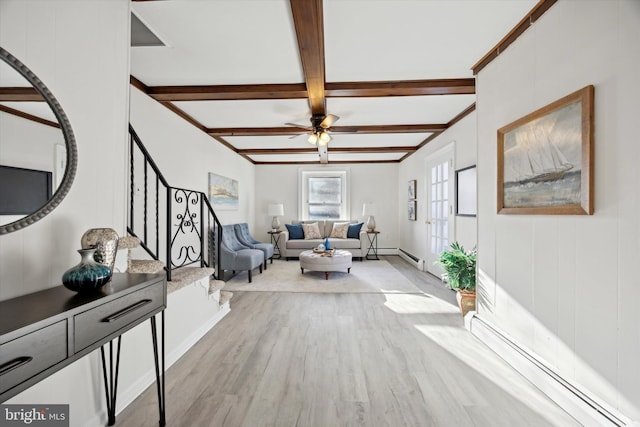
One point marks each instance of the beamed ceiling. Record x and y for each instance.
(397, 73)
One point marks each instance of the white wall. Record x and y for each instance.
(413, 234)
(84, 62)
(566, 287)
(27, 144)
(373, 183)
(80, 51)
(186, 155)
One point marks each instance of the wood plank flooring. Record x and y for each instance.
(304, 359)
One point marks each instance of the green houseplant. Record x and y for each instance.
(460, 266)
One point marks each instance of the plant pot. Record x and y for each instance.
(466, 301)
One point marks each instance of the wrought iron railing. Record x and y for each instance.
(175, 225)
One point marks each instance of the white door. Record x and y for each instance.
(440, 219)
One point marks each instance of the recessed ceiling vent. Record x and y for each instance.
(141, 35)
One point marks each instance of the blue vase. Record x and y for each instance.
(87, 276)
(327, 245)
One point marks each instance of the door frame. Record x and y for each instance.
(449, 150)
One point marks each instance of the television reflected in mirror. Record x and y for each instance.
(23, 191)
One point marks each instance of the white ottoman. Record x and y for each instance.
(339, 261)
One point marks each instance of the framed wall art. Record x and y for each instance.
(545, 159)
(412, 189)
(411, 209)
(466, 191)
(223, 192)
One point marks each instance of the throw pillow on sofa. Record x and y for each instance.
(311, 231)
(339, 230)
(354, 231)
(295, 231)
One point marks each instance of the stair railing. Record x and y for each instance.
(176, 225)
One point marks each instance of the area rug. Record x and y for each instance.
(285, 276)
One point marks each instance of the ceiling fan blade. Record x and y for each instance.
(342, 129)
(328, 121)
(296, 136)
(299, 126)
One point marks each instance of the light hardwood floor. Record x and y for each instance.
(303, 359)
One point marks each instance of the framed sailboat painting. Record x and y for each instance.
(545, 159)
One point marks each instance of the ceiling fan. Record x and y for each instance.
(319, 130)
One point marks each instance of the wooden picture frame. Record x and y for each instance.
(411, 190)
(545, 159)
(466, 191)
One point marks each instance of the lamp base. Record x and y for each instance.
(371, 224)
(275, 224)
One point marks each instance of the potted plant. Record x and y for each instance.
(460, 266)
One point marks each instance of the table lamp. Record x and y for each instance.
(275, 210)
(369, 209)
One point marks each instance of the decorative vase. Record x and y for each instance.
(327, 245)
(105, 242)
(87, 276)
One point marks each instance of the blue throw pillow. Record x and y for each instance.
(354, 230)
(295, 231)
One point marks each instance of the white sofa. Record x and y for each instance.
(291, 248)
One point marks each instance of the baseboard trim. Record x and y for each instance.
(574, 400)
(149, 377)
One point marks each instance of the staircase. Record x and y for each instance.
(171, 229)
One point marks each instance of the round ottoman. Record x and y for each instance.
(339, 260)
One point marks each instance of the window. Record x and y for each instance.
(324, 194)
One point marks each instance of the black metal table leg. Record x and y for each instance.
(111, 380)
(372, 251)
(275, 241)
(110, 374)
(159, 364)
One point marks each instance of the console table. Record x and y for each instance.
(42, 332)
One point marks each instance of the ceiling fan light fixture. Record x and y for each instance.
(324, 138)
(313, 139)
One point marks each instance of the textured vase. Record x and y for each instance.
(327, 245)
(87, 276)
(105, 242)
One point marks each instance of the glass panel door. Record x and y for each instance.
(440, 209)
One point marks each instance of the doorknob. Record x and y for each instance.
(427, 222)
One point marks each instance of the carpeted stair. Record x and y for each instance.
(179, 278)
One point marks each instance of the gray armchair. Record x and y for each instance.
(235, 256)
(243, 235)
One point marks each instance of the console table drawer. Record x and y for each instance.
(28, 355)
(106, 319)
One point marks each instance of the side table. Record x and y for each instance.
(372, 251)
(275, 238)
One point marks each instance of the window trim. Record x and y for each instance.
(303, 190)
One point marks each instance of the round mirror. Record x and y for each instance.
(38, 153)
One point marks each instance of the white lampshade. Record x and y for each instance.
(276, 209)
(313, 139)
(368, 209)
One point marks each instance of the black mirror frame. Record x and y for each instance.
(70, 142)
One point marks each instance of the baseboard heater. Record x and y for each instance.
(573, 400)
(411, 259)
